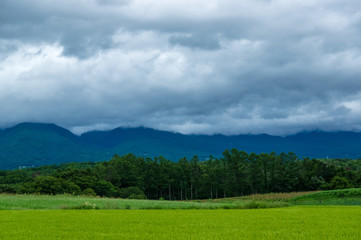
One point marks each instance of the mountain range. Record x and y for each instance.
(37, 144)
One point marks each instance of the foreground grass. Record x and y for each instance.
(300, 222)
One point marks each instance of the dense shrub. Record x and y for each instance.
(131, 192)
(9, 188)
(50, 185)
(88, 192)
(338, 182)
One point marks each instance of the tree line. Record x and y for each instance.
(236, 173)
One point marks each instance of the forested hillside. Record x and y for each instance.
(36, 144)
(236, 173)
(30, 144)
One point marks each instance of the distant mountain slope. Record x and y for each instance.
(37, 144)
(149, 142)
(321, 144)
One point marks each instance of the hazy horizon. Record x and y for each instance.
(80, 132)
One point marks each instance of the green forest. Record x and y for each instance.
(236, 173)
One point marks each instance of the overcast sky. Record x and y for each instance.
(190, 66)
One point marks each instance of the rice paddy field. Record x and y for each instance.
(300, 222)
(309, 215)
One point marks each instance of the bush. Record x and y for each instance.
(137, 196)
(338, 182)
(131, 192)
(104, 188)
(9, 188)
(49, 185)
(88, 192)
(70, 187)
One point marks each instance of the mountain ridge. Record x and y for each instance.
(28, 144)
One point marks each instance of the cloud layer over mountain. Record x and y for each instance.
(264, 66)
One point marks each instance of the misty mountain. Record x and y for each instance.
(321, 144)
(29, 144)
(37, 144)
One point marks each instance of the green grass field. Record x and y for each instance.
(270, 200)
(334, 197)
(300, 222)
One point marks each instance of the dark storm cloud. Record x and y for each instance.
(192, 66)
(82, 27)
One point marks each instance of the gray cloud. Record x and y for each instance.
(196, 41)
(195, 66)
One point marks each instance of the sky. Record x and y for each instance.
(189, 66)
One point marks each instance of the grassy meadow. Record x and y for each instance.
(334, 197)
(26, 202)
(350, 196)
(269, 200)
(29, 202)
